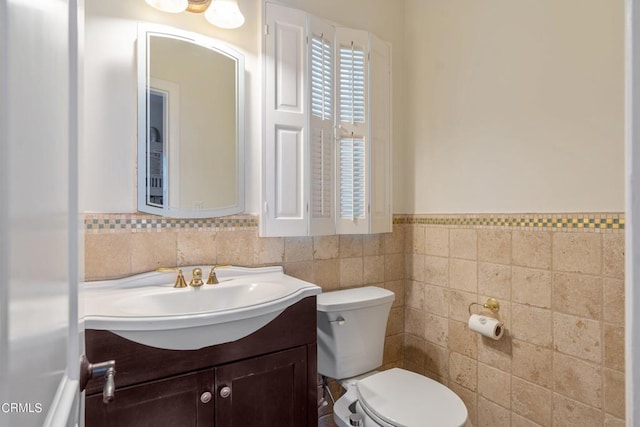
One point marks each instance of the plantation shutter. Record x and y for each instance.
(380, 135)
(352, 131)
(285, 157)
(321, 143)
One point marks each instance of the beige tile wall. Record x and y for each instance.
(561, 361)
(332, 262)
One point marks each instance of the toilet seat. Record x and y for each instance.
(405, 399)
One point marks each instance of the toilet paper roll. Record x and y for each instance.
(487, 326)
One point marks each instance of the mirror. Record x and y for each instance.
(190, 125)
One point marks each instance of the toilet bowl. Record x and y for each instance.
(351, 328)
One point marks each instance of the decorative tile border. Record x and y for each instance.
(561, 222)
(127, 223)
(596, 222)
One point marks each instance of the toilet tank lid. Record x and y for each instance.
(347, 299)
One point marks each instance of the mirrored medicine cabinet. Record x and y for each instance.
(190, 124)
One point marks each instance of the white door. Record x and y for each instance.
(39, 230)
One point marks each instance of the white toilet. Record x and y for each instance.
(351, 332)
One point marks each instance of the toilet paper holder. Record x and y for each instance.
(491, 304)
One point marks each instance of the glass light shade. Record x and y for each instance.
(224, 14)
(171, 6)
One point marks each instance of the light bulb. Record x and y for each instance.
(224, 14)
(171, 6)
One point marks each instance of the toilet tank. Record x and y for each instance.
(351, 330)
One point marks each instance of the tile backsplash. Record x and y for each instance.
(559, 280)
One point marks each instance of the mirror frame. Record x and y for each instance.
(145, 31)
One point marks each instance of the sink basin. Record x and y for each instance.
(201, 300)
(147, 309)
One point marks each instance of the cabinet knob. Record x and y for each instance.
(205, 397)
(225, 392)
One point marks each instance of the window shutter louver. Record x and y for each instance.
(322, 148)
(321, 174)
(352, 179)
(352, 86)
(352, 132)
(322, 76)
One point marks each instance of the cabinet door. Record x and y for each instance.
(176, 401)
(266, 391)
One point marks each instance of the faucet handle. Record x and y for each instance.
(180, 281)
(196, 279)
(213, 279)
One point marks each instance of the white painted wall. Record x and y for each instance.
(514, 106)
(501, 106)
(108, 179)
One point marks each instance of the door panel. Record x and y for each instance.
(285, 154)
(38, 214)
(267, 391)
(172, 402)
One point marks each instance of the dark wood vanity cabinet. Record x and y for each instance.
(265, 379)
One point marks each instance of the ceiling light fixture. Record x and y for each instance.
(221, 13)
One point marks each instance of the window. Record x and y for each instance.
(319, 87)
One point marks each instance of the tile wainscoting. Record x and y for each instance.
(559, 279)
(560, 283)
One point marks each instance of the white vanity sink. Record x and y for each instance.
(147, 309)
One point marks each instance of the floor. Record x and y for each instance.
(325, 413)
